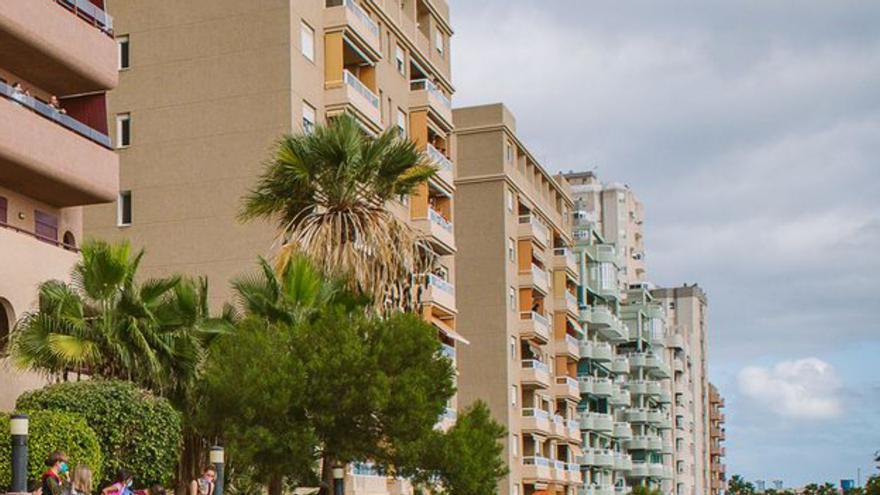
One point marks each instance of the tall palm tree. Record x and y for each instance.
(327, 191)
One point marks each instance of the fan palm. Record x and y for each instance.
(328, 191)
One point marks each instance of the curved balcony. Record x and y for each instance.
(639, 470)
(595, 421)
(597, 351)
(620, 365)
(567, 346)
(645, 442)
(656, 470)
(622, 430)
(534, 326)
(637, 415)
(664, 397)
(620, 397)
(622, 462)
(600, 387)
(675, 341)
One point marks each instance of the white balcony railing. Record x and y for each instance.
(535, 365)
(569, 255)
(540, 275)
(360, 87)
(419, 84)
(362, 15)
(448, 351)
(439, 283)
(541, 230)
(438, 158)
(532, 412)
(438, 219)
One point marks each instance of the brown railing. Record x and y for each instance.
(47, 240)
(89, 12)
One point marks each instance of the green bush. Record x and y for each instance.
(50, 431)
(137, 431)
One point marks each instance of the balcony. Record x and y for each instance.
(639, 470)
(559, 470)
(622, 462)
(536, 278)
(658, 418)
(651, 443)
(536, 468)
(597, 351)
(355, 97)
(574, 430)
(608, 325)
(439, 292)
(574, 475)
(531, 227)
(424, 94)
(567, 346)
(600, 387)
(447, 419)
(534, 419)
(595, 489)
(535, 373)
(534, 326)
(44, 43)
(595, 421)
(656, 470)
(565, 259)
(568, 302)
(350, 18)
(664, 397)
(448, 351)
(637, 415)
(603, 458)
(585, 314)
(661, 369)
(52, 157)
(622, 430)
(566, 387)
(666, 446)
(439, 230)
(675, 341)
(620, 397)
(558, 428)
(445, 168)
(620, 365)
(637, 387)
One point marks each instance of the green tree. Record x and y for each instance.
(739, 486)
(327, 192)
(872, 486)
(645, 490)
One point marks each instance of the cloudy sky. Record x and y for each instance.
(751, 131)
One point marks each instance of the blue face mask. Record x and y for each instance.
(128, 484)
(63, 467)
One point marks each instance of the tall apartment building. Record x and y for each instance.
(686, 319)
(58, 60)
(625, 340)
(207, 87)
(718, 472)
(517, 281)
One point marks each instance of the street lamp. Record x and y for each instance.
(216, 458)
(18, 429)
(338, 480)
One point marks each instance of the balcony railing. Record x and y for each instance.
(535, 365)
(541, 230)
(358, 11)
(52, 114)
(439, 283)
(89, 12)
(360, 87)
(48, 240)
(569, 255)
(438, 158)
(532, 412)
(572, 342)
(438, 219)
(536, 461)
(540, 275)
(448, 351)
(420, 84)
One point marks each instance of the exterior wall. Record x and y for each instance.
(718, 471)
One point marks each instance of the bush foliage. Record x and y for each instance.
(50, 431)
(136, 430)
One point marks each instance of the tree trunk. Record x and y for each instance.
(188, 467)
(327, 475)
(275, 485)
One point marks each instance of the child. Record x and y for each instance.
(82, 480)
(55, 477)
(122, 485)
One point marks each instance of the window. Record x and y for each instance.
(123, 130)
(509, 199)
(438, 42)
(515, 489)
(45, 225)
(123, 209)
(307, 41)
(401, 121)
(509, 152)
(308, 118)
(124, 57)
(400, 59)
(511, 249)
(513, 393)
(514, 445)
(513, 348)
(511, 298)
(4, 210)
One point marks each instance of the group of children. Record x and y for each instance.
(57, 480)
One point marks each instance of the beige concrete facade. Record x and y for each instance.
(717, 435)
(213, 84)
(517, 285)
(686, 317)
(51, 163)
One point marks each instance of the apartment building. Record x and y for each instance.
(687, 347)
(59, 59)
(718, 472)
(623, 321)
(517, 281)
(206, 87)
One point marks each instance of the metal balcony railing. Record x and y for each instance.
(89, 12)
(438, 219)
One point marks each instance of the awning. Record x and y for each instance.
(448, 331)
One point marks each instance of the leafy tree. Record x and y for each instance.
(739, 486)
(872, 486)
(327, 192)
(645, 490)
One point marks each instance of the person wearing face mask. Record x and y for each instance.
(122, 485)
(55, 478)
(205, 484)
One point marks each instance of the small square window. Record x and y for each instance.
(123, 209)
(122, 46)
(400, 60)
(308, 118)
(307, 41)
(123, 130)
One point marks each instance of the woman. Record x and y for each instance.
(82, 480)
(122, 485)
(55, 478)
(205, 484)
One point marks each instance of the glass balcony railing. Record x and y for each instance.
(439, 283)
(535, 365)
(536, 461)
(426, 84)
(89, 12)
(359, 12)
(438, 219)
(533, 412)
(540, 276)
(438, 158)
(541, 230)
(569, 255)
(352, 80)
(50, 113)
(448, 351)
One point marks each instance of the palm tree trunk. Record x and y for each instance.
(275, 485)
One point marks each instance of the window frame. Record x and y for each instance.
(304, 30)
(400, 59)
(120, 208)
(308, 125)
(123, 46)
(123, 130)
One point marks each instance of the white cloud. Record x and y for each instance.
(801, 389)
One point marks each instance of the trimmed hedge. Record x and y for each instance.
(50, 431)
(136, 430)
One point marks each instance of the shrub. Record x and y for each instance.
(50, 431)
(136, 430)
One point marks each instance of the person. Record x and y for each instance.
(55, 478)
(34, 488)
(56, 105)
(122, 484)
(19, 93)
(82, 480)
(205, 484)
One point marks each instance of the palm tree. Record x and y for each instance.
(327, 191)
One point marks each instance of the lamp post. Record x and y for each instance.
(18, 429)
(338, 480)
(216, 458)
